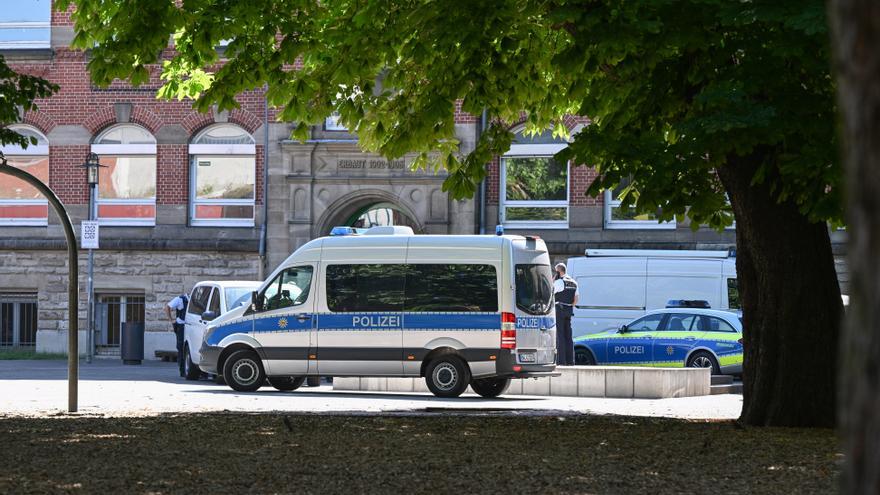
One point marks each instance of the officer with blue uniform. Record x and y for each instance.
(566, 290)
(178, 304)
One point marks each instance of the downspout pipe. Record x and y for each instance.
(482, 207)
(263, 228)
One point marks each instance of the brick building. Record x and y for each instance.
(183, 196)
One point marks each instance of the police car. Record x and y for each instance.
(685, 333)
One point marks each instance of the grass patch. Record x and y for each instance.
(270, 453)
(19, 354)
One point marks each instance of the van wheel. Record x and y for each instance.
(243, 371)
(490, 387)
(190, 370)
(583, 357)
(447, 376)
(702, 359)
(286, 383)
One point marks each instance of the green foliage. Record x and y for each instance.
(674, 88)
(18, 92)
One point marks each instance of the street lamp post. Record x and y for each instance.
(92, 165)
(72, 279)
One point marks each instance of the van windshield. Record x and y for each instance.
(534, 289)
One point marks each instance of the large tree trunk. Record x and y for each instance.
(791, 306)
(856, 36)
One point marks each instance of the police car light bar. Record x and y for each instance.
(343, 230)
(684, 303)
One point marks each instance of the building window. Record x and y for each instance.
(126, 193)
(332, 123)
(26, 25)
(111, 312)
(20, 203)
(18, 320)
(223, 177)
(618, 216)
(534, 187)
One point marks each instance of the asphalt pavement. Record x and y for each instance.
(109, 388)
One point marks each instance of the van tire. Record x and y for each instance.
(190, 370)
(703, 359)
(447, 376)
(490, 387)
(243, 371)
(583, 357)
(286, 383)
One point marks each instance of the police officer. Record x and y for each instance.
(178, 321)
(566, 290)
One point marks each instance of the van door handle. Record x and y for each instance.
(303, 317)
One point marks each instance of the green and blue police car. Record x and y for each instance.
(685, 333)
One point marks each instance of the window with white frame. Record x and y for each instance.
(27, 25)
(126, 193)
(618, 216)
(20, 203)
(223, 177)
(534, 185)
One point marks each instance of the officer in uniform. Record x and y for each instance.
(566, 290)
(178, 321)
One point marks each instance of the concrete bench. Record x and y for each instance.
(166, 355)
(575, 381)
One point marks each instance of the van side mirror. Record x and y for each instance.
(209, 316)
(256, 301)
(623, 329)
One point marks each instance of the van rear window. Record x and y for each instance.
(534, 289)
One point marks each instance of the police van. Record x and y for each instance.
(457, 310)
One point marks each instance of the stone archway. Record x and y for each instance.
(344, 209)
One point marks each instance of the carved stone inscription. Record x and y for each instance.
(364, 164)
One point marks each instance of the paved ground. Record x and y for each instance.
(39, 388)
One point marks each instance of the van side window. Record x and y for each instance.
(198, 300)
(290, 288)
(365, 288)
(215, 302)
(448, 287)
(732, 294)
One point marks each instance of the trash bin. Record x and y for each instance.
(132, 348)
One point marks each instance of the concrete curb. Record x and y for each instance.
(575, 381)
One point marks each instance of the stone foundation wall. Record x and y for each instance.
(157, 275)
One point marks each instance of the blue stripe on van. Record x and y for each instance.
(223, 331)
(535, 322)
(452, 321)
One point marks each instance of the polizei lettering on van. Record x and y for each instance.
(372, 321)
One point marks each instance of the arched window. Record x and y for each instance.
(223, 177)
(20, 203)
(126, 193)
(534, 186)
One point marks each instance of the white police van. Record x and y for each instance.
(458, 310)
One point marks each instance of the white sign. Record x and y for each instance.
(89, 234)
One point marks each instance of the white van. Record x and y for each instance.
(619, 285)
(458, 310)
(207, 301)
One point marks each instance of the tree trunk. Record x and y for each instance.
(791, 305)
(856, 38)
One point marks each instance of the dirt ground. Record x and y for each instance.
(271, 453)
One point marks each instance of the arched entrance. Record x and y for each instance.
(367, 208)
(380, 215)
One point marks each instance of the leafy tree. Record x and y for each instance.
(858, 72)
(696, 101)
(17, 93)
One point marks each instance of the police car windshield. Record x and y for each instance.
(236, 296)
(534, 289)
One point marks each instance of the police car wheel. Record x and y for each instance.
(243, 371)
(703, 359)
(490, 387)
(583, 357)
(286, 383)
(190, 370)
(447, 376)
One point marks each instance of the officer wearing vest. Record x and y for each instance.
(178, 321)
(566, 290)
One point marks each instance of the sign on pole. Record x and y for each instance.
(89, 234)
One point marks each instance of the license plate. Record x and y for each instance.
(527, 357)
